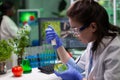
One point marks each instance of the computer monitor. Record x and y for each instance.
(61, 26)
(30, 16)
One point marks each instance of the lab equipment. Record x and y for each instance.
(26, 66)
(51, 35)
(60, 67)
(47, 69)
(70, 74)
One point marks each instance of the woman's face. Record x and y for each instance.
(86, 35)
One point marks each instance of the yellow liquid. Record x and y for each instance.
(60, 67)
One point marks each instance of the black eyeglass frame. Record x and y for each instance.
(84, 27)
(78, 30)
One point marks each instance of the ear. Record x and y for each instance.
(93, 26)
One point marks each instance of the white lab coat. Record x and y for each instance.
(8, 29)
(106, 61)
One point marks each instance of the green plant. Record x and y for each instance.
(22, 40)
(6, 49)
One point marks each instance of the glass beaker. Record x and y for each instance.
(3, 68)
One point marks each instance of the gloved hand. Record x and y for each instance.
(69, 74)
(52, 35)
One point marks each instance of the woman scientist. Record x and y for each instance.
(101, 60)
(8, 28)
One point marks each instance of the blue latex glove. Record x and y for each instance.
(69, 74)
(51, 35)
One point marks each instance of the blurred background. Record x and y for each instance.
(40, 13)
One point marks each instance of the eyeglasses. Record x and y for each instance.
(76, 31)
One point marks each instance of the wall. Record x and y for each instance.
(46, 7)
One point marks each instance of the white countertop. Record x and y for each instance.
(34, 75)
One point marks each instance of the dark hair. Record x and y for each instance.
(87, 11)
(4, 6)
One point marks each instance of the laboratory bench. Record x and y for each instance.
(36, 74)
